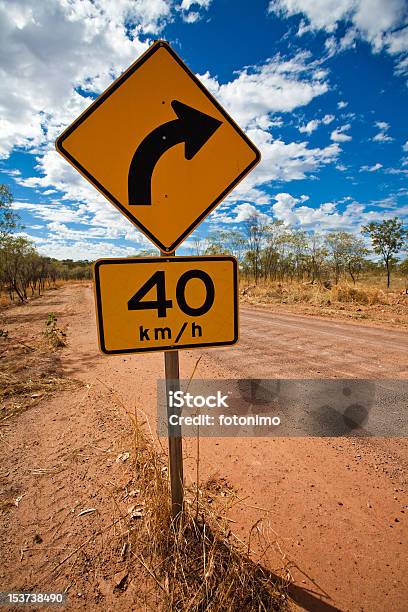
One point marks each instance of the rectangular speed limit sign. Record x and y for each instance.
(159, 304)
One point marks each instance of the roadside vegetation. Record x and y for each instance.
(23, 271)
(269, 250)
(30, 363)
(363, 275)
(335, 273)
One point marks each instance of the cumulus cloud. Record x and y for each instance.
(239, 214)
(187, 4)
(327, 216)
(372, 19)
(373, 168)
(244, 212)
(342, 104)
(310, 127)
(335, 45)
(381, 23)
(405, 146)
(338, 135)
(288, 161)
(72, 231)
(193, 10)
(382, 135)
(278, 85)
(81, 249)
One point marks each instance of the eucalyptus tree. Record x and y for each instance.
(388, 238)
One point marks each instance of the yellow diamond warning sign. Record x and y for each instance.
(159, 147)
(156, 304)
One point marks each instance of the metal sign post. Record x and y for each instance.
(172, 373)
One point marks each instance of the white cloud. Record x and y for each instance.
(382, 125)
(397, 41)
(342, 104)
(187, 4)
(82, 249)
(239, 214)
(373, 168)
(327, 216)
(303, 28)
(375, 21)
(334, 45)
(191, 16)
(284, 205)
(310, 127)
(243, 212)
(338, 134)
(287, 161)
(382, 135)
(401, 67)
(402, 171)
(405, 146)
(278, 85)
(322, 14)
(345, 214)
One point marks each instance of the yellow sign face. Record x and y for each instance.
(159, 304)
(159, 147)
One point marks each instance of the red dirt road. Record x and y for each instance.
(337, 508)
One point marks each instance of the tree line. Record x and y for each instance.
(23, 271)
(270, 250)
(266, 249)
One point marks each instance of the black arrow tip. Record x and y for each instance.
(198, 127)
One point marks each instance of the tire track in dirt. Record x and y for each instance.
(291, 346)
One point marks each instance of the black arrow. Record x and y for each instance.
(192, 127)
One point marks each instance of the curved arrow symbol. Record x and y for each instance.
(192, 127)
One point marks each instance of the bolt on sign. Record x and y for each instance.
(158, 304)
(159, 147)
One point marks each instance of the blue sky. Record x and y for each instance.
(320, 86)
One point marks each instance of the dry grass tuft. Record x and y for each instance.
(54, 336)
(197, 563)
(366, 296)
(367, 299)
(28, 374)
(313, 293)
